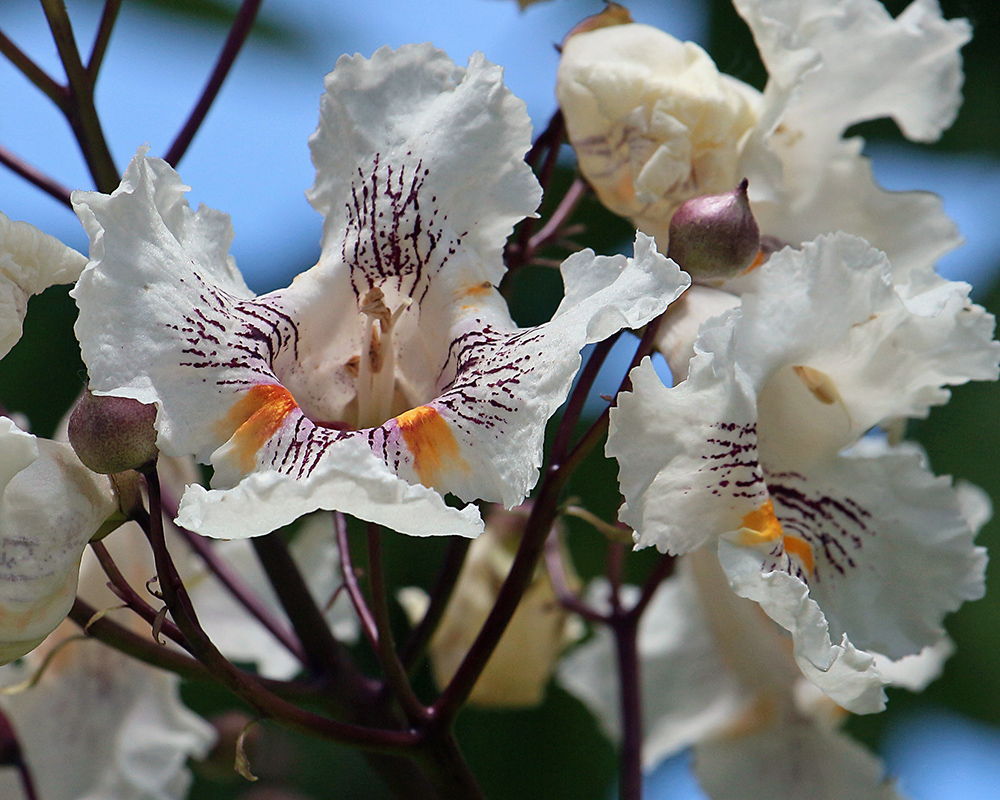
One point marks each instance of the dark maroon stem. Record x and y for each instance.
(245, 686)
(123, 589)
(35, 177)
(350, 576)
(12, 755)
(560, 585)
(55, 91)
(104, 28)
(237, 37)
(397, 680)
(625, 628)
(245, 596)
(444, 584)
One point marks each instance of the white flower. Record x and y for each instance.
(50, 508)
(717, 675)
(654, 123)
(50, 504)
(100, 725)
(390, 373)
(845, 549)
(30, 262)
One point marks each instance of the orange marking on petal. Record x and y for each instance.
(254, 418)
(430, 441)
(801, 550)
(760, 525)
(476, 290)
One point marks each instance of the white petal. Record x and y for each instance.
(30, 261)
(687, 691)
(851, 61)
(651, 119)
(460, 129)
(242, 638)
(874, 351)
(50, 507)
(791, 758)
(687, 456)
(101, 725)
(349, 478)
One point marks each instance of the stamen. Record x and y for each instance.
(377, 362)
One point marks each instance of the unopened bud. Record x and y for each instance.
(113, 434)
(715, 236)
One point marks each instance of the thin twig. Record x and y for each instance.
(397, 681)
(245, 686)
(243, 594)
(323, 653)
(80, 111)
(444, 584)
(350, 576)
(552, 229)
(123, 589)
(238, 34)
(560, 585)
(35, 176)
(103, 36)
(51, 88)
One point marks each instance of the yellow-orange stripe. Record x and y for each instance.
(254, 418)
(431, 443)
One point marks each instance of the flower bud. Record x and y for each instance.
(518, 671)
(715, 236)
(113, 434)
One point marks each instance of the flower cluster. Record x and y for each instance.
(809, 554)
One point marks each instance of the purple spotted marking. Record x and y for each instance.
(834, 527)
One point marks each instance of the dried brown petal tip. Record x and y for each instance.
(715, 236)
(113, 434)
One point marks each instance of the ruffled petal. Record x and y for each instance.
(687, 691)
(50, 507)
(100, 725)
(842, 63)
(412, 115)
(687, 456)
(791, 757)
(30, 261)
(834, 348)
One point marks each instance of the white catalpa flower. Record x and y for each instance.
(718, 675)
(654, 123)
(858, 549)
(51, 506)
(30, 262)
(389, 374)
(99, 725)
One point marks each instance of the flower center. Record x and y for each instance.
(376, 382)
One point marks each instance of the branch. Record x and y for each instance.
(104, 28)
(238, 34)
(35, 176)
(415, 646)
(56, 92)
(80, 110)
(396, 678)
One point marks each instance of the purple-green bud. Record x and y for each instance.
(113, 434)
(715, 236)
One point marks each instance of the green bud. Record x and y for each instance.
(113, 434)
(715, 236)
